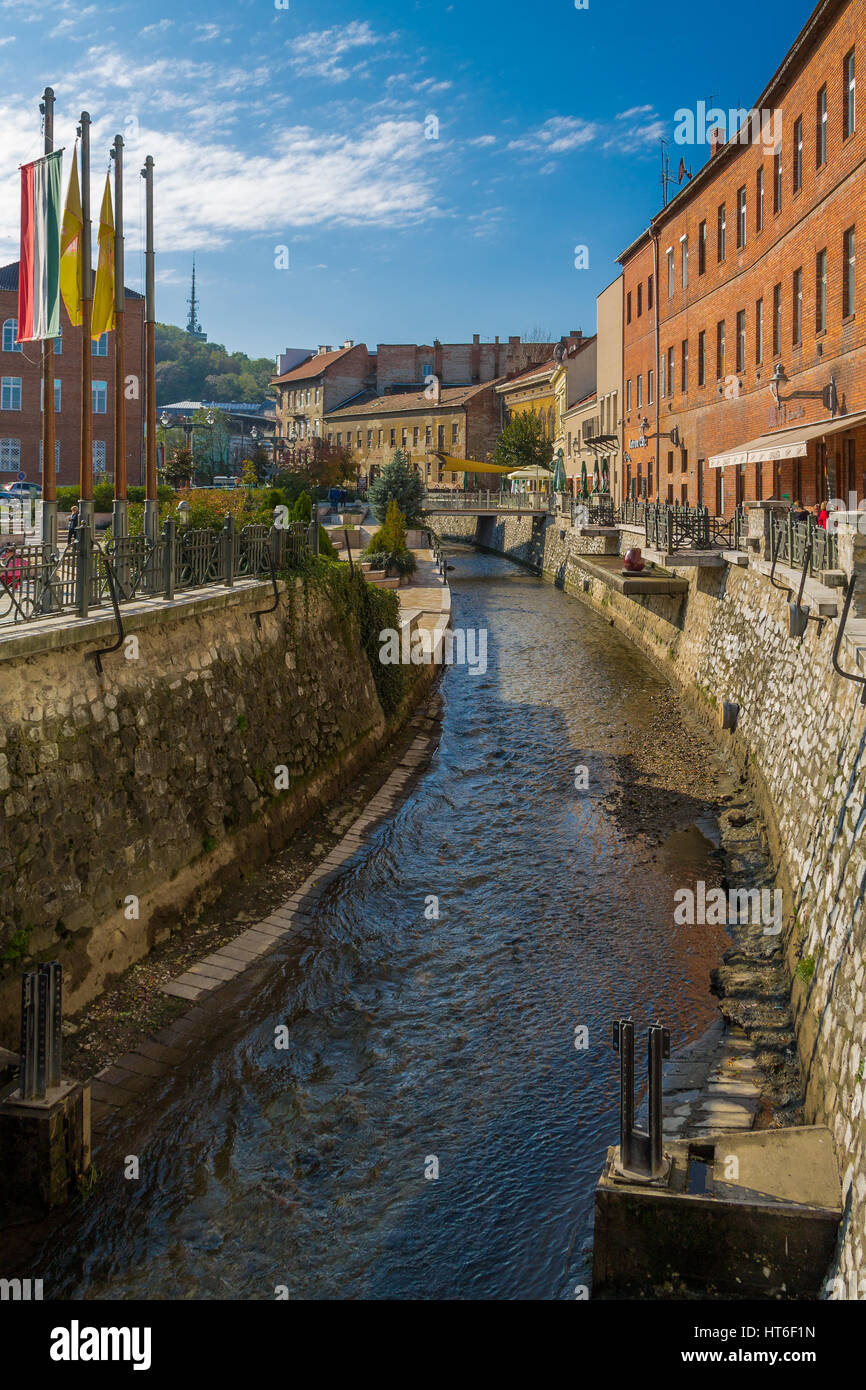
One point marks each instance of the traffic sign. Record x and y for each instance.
(22, 477)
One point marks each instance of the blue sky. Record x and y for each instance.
(308, 128)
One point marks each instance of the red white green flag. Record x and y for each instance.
(39, 265)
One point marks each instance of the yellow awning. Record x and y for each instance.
(454, 465)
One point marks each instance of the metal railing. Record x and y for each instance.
(37, 581)
(454, 501)
(669, 527)
(793, 538)
(631, 511)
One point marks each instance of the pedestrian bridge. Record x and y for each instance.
(484, 504)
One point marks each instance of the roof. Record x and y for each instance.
(410, 402)
(541, 370)
(314, 366)
(9, 281)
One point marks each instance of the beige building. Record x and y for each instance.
(464, 421)
(329, 379)
(609, 385)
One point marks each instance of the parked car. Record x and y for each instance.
(19, 489)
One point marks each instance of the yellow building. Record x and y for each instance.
(551, 388)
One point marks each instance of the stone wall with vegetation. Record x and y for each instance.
(801, 740)
(129, 797)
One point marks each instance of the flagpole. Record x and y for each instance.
(86, 468)
(49, 470)
(151, 505)
(120, 519)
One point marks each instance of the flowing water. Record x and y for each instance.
(419, 1044)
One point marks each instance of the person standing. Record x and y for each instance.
(73, 524)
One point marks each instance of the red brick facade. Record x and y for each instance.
(20, 402)
(782, 287)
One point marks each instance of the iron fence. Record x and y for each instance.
(39, 581)
(669, 526)
(631, 511)
(454, 501)
(790, 542)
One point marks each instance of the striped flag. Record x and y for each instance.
(70, 246)
(39, 267)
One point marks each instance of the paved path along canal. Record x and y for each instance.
(413, 1039)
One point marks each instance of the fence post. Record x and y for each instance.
(228, 545)
(83, 567)
(168, 566)
(313, 535)
(275, 541)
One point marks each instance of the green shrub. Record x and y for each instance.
(303, 508)
(326, 545)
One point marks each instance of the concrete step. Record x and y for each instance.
(382, 583)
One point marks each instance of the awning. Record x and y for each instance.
(785, 444)
(455, 465)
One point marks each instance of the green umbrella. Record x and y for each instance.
(560, 481)
(584, 490)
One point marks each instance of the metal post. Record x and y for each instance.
(28, 1035)
(120, 519)
(658, 1047)
(169, 541)
(83, 563)
(640, 1152)
(54, 971)
(228, 545)
(151, 505)
(85, 502)
(623, 1042)
(49, 467)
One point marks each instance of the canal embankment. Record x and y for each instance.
(798, 742)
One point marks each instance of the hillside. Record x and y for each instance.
(190, 370)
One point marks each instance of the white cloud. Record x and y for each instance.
(559, 135)
(632, 112)
(207, 32)
(318, 53)
(482, 141)
(158, 28)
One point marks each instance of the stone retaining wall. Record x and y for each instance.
(129, 798)
(801, 738)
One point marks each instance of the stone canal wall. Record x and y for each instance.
(130, 797)
(800, 737)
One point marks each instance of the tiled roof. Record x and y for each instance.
(410, 402)
(9, 280)
(313, 367)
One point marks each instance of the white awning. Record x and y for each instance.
(785, 444)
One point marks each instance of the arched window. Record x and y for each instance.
(10, 333)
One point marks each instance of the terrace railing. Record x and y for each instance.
(38, 581)
(793, 537)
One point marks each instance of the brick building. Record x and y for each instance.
(745, 289)
(400, 366)
(464, 421)
(21, 394)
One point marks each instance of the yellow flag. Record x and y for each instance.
(103, 289)
(70, 246)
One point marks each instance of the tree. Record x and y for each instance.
(399, 482)
(179, 467)
(522, 444)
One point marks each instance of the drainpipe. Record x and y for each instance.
(657, 301)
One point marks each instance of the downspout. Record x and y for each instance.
(657, 377)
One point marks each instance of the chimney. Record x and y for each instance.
(716, 140)
(350, 342)
(475, 357)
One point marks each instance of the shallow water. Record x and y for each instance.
(417, 1043)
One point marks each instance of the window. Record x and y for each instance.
(639, 391)
(741, 340)
(849, 96)
(58, 343)
(428, 434)
(777, 320)
(777, 181)
(821, 292)
(369, 439)
(684, 468)
(759, 199)
(639, 300)
(628, 307)
(10, 333)
(57, 388)
(741, 217)
(99, 458)
(702, 358)
(455, 434)
(797, 306)
(649, 399)
(684, 261)
(670, 259)
(721, 229)
(684, 365)
(670, 371)
(821, 128)
(628, 396)
(649, 292)
(339, 438)
(759, 331)
(415, 434)
(849, 266)
(670, 460)
(440, 436)
(358, 439)
(99, 348)
(10, 455)
(720, 350)
(393, 438)
(404, 438)
(381, 438)
(100, 397)
(663, 376)
(426, 369)
(10, 393)
(797, 170)
(702, 248)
